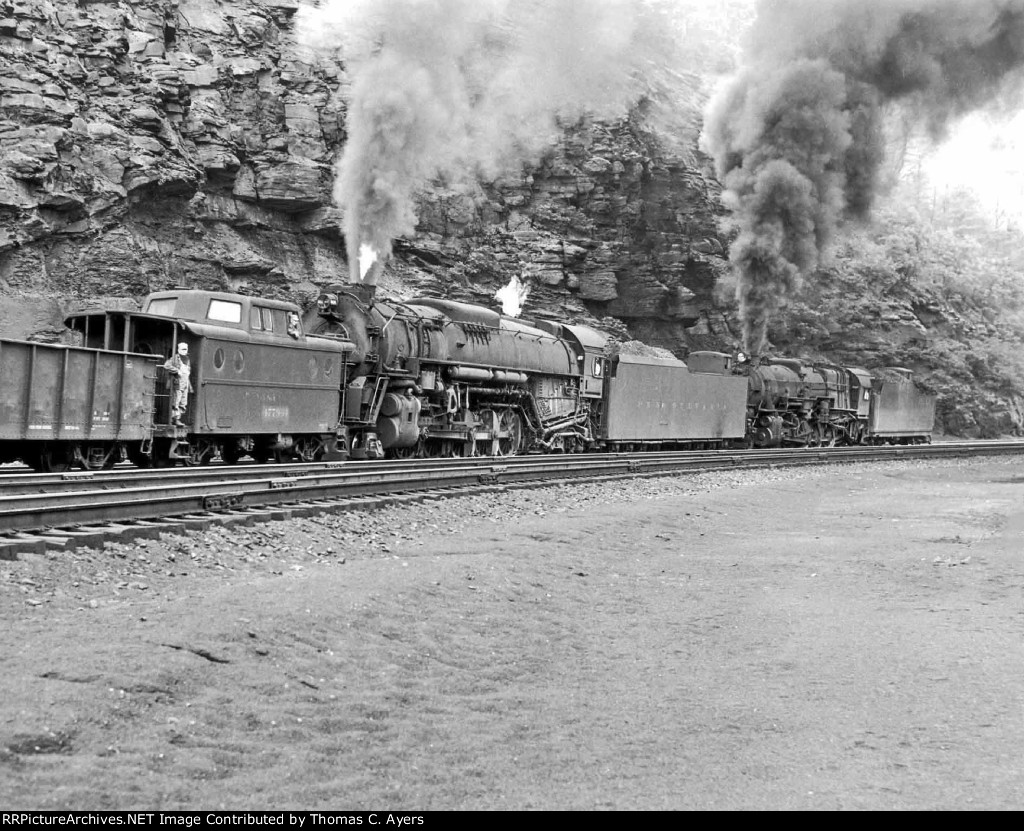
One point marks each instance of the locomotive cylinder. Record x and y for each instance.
(398, 424)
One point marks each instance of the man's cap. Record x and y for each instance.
(183, 347)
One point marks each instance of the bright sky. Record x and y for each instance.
(986, 155)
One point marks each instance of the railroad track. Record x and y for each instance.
(40, 511)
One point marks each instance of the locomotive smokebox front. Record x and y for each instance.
(345, 310)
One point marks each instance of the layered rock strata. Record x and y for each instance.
(192, 142)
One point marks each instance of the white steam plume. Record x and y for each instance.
(512, 296)
(461, 88)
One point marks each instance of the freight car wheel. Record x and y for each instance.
(162, 453)
(97, 457)
(55, 460)
(199, 453)
(261, 453)
(309, 449)
(49, 460)
(230, 453)
(138, 458)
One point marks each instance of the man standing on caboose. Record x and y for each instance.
(181, 383)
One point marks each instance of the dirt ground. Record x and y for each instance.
(828, 638)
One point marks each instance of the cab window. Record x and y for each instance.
(268, 320)
(163, 306)
(254, 319)
(225, 311)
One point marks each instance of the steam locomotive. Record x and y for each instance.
(366, 377)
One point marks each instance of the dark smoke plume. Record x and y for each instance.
(460, 88)
(797, 134)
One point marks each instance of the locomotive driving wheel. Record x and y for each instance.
(489, 421)
(804, 434)
(510, 433)
(404, 452)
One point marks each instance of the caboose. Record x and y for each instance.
(261, 386)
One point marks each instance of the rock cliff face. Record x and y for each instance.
(191, 142)
(150, 144)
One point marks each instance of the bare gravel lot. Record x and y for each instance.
(825, 638)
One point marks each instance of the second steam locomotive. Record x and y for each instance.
(367, 377)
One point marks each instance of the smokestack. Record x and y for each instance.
(796, 135)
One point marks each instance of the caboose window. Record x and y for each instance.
(163, 306)
(225, 310)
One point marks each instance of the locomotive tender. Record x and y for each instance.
(260, 387)
(368, 377)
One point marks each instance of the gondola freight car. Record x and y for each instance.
(65, 405)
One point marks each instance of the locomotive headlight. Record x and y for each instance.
(326, 303)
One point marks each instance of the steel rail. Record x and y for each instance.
(155, 495)
(29, 482)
